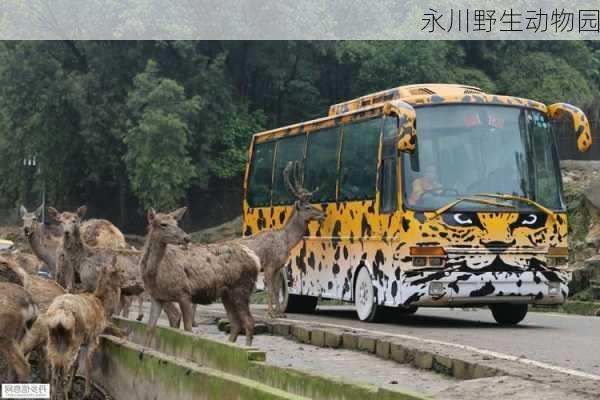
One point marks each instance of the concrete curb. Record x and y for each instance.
(457, 362)
(133, 371)
(249, 362)
(401, 351)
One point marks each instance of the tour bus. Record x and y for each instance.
(434, 195)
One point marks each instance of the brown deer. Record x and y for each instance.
(46, 239)
(198, 274)
(76, 320)
(17, 312)
(43, 292)
(78, 262)
(275, 246)
(29, 262)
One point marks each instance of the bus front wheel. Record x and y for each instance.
(365, 302)
(509, 314)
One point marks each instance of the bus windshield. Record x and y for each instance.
(465, 150)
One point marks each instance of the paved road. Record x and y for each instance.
(562, 340)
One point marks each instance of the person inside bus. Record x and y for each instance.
(427, 183)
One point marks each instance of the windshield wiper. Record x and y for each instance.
(522, 199)
(448, 206)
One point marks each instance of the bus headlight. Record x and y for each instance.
(436, 289)
(419, 261)
(553, 288)
(436, 261)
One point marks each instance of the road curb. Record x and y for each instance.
(458, 361)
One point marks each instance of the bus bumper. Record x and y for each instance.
(489, 288)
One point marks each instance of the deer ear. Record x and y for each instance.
(39, 211)
(54, 214)
(151, 215)
(81, 211)
(22, 211)
(178, 214)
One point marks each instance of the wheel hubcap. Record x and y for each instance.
(364, 295)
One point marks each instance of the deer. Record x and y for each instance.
(274, 247)
(77, 320)
(43, 292)
(17, 313)
(196, 274)
(78, 262)
(46, 239)
(29, 262)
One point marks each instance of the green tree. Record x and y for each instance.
(157, 157)
(545, 78)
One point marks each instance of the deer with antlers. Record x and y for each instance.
(274, 247)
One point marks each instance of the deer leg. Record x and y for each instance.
(56, 383)
(242, 297)
(72, 369)
(277, 282)
(186, 309)
(173, 314)
(124, 306)
(88, 367)
(233, 316)
(194, 308)
(155, 310)
(269, 287)
(15, 358)
(140, 315)
(35, 340)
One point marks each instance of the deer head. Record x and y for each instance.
(9, 272)
(305, 212)
(164, 228)
(69, 221)
(108, 285)
(30, 220)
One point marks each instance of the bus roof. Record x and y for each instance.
(415, 95)
(403, 93)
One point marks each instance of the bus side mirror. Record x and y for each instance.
(407, 122)
(581, 125)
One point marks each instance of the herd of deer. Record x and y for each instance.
(97, 274)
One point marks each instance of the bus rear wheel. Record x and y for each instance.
(509, 314)
(365, 303)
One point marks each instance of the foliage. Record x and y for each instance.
(157, 157)
(154, 121)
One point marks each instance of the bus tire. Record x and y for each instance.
(300, 304)
(508, 314)
(283, 294)
(365, 302)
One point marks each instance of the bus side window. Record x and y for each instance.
(358, 165)
(259, 185)
(389, 181)
(288, 149)
(321, 168)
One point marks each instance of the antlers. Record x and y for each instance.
(300, 193)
